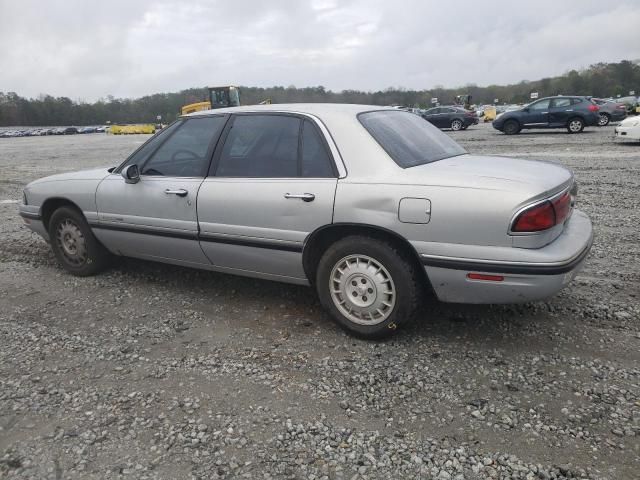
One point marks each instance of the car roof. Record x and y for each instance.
(311, 108)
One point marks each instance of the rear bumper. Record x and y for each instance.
(545, 272)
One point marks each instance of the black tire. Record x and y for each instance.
(575, 125)
(405, 282)
(604, 120)
(74, 245)
(456, 124)
(511, 127)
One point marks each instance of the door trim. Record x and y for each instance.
(207, 237)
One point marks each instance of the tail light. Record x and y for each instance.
(621, 106)
(562, 207)
(543, 216)
(535, 219)
(593, 108)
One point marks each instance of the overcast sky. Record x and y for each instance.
(91, 49)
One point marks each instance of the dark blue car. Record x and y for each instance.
(572, 113)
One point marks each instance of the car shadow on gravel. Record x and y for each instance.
(296, 308)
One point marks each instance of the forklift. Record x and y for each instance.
(219, 97)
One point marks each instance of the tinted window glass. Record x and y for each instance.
(141, 156)
(541, 105)
(184, 154)
(433, 111)
(561, 102)
(579, 100)
(315, 160)
(407, 139)
(261, 146)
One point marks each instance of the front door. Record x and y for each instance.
(156, 217)
(272, 183)
(537, 114)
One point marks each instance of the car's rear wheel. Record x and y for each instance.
(74, 245)
(575, 125)
(456, 125)
(604, 120)
(511, 127)
(368, 286)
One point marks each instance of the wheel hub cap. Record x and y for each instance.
(71, 242)
(362, 289)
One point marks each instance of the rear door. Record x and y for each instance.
(560, 110)
(156, 217)
(272, 183)
(537, 115)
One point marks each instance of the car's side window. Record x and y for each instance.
(142, 154)
(433, 111)
(561, 102)
(185, 153)
(575, 101)
(261, 146)
(316, 162)
(541, 105)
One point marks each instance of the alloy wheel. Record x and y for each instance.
(362, 289)
(71, 242)
(456, 125)
(603, 120)
(575, 126)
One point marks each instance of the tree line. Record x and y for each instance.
(599, 80)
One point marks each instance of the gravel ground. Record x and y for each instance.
(157, 372)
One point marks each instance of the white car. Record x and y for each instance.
(628, 129)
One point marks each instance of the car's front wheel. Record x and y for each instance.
(368, 286)
(575, 125)
(604, 120)
(74, 245)
(456, 125)
(511, 127)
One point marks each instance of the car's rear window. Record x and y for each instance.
(409, 140)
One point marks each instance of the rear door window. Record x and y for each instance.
(560, 102)
(315, 160)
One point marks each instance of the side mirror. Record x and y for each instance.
(131, 174)
(526, 109)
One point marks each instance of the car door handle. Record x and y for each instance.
(181, 192)
(305, 197)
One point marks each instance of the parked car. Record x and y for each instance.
(630, 103)
(610, 111)
(70, 131)
(628, 129)
(87, 130)
(455, 118)
(102, 129)
(369, 205)
(572, 113)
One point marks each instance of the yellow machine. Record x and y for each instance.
(146, 128)
(464, 101)
(219, 97)
(490, 113)
(195, 107)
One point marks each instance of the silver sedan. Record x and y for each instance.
(371, 206)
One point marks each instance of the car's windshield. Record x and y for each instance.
(409, 139)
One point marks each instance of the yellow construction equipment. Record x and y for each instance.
(146, 128)
(490, 113)
(219, 97)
